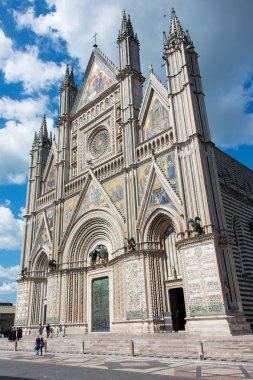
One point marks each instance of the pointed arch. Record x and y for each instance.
(95, 227)
(158, 222)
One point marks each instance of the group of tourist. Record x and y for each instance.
(15, 333)
(50, 333)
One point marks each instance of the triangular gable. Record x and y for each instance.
(99, 76)
(43, 236)
(158, 193)
(92, 197)
(50, 173)
(154, 114)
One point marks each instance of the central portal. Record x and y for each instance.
(100, 305)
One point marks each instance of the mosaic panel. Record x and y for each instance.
(50, 218)
(168, 166)
(115, 191)
(93, 199)
(143, 174)
(51, 179)
(69, 207)
(157, 119)
(98, 81)
(38, 221)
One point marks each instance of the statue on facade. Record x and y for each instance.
(52, 265)
(196, 225)
(99, 252)
(24, 272)
(131, 244)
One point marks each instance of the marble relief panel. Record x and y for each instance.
(53, 285)
(202, 280)
(135, 290)
(21, 313)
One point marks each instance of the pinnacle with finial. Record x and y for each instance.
(175, 26)
(66, 78)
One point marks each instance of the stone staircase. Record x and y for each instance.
(237, 348)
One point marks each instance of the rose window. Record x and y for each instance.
(100, 143)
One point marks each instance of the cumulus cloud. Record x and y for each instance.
(26, 66)
(10, 230)
(9, 273)
(75, 22)
(23, 119)
(222, 39)
(8, 288)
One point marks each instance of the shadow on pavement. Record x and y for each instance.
(15, 378)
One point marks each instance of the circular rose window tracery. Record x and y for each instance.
(100, 143)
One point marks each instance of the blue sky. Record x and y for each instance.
(38, 38)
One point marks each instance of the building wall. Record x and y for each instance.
(237, 194)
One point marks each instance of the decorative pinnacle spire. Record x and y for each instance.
(42, 137)
(126, 27)
(124, 23)
(66, 78)
(175, 26)
(72, 78)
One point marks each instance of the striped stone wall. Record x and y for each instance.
(236, 183)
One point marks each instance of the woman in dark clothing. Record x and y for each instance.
(42, 344)
(37, 345)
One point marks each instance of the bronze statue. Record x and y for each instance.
(52, 265)
(100, 251)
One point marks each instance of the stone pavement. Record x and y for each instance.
(134, 366)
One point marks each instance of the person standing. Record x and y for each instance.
(48, 330)
(37, 345)
(40, 329)
(42, 344)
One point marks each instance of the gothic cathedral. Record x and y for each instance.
(133, 213)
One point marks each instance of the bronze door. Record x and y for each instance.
(100, 305)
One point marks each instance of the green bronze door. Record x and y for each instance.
(100, 305)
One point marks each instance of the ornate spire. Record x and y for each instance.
(175, 26)
(130, 27)
(42, 137)
(72, 78)
(126, 27)
(67, 77)
(123, 23)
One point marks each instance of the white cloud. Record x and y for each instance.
(23, 119)
(10, 230)
(22, 212)
(9, 273)
(222, 39)
(76, 22)
(26, 66)
(8, 288)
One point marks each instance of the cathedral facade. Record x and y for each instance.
(133, 214)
